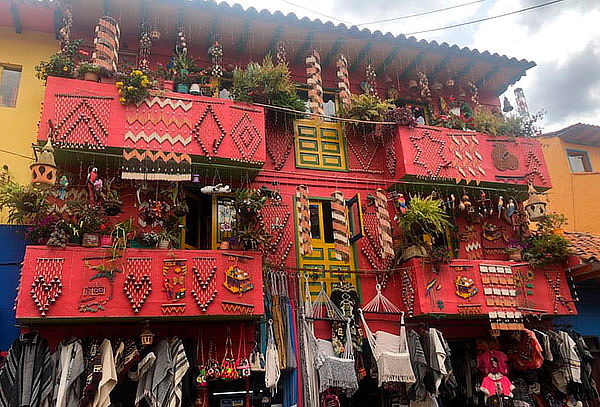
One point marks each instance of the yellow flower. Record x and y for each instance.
(122, 100)
(130, 88)
(137, 72)
(119, 85)
(65, 68)
(120, 91)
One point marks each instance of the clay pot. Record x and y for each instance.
(90, 240)
(168, 85)
(164, 244)
(413, 86)
(414, 251)
(91, 76)
(224, 245)
(514, 254)
(559, 232)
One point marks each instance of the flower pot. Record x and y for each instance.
(168, 85)
(135, 244)
(413, 86)
(558, 231)
(90, 240)
(514, 254)
(106, 79)
(163, 244)
(414, 251)
(106, 241)
(224, 245)
(91, 76)
(195, 89)
(182, 88)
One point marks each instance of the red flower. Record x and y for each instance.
(103, 227)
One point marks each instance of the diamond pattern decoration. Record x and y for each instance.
(466, 159)
(47, 285)
(209, 132)
(246, 137)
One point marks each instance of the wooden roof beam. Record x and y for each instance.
(415, 62)
(439, 67)
(466, 69)
(361, 56)
(212, 35)
(488, 75)
(301, 53)
(241, 44)
(389, 60)
(16, 18)
(332, 52)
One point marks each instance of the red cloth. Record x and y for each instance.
(526, 352)
(484, 362)
(493, 387)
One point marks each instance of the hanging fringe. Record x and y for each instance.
(340, 227)
(385, 230)
(303, 214)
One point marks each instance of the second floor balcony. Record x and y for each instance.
(164, 133)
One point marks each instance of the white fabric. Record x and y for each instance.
(109, 376)
(142, 377)
(272, 372)
(391, 354)
(572, 359)
(326, 347)
(440, 355)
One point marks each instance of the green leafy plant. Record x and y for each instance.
(133, 88)
(487, 122)
(183, 63)
(248, 230)
(368, 107)
(86, 67)
(24, 204)
(423, 215)
(91, 220)
(111, 201)
(551, 222)
(544, 249)
(61, 64)
(170, 235)
(266, 83)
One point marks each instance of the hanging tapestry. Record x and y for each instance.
(174, 273)
(137, 286)
(385, 229)
(156, 166)
(303, 215)
(341, 243)
(47, 285)
(245, 135)
(277, 223)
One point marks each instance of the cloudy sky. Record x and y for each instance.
(563, 39)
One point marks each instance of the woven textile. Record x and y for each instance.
(314, 80)
(303, 216)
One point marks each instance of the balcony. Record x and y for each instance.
(455, 156)
(76, 283)
(476, 288)
(168, 130)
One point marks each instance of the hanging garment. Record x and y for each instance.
(69, 368)
(272, 371)
(336, 371)
(109, 376)
(162, 376)
(569, 352)
(93, 372)
(589, 390)
(126, 356)
(544, 340)
(26, 377)
(290, 354)
(522, 393)
(180, 366)
(525, 351)
(143, 377)
(391, 354)
(496, 384)
(419, 365)
(279, 331)
(485, 364)
(437, 358)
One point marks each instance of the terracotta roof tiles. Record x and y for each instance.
(585, 245)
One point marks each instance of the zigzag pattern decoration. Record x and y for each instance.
(533, 165)
(142, 155)
(246, 137)
(162, 102)
(210, 133)
(367, 155)
(155, 118)
(160, 138)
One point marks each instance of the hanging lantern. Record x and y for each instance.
(507, 106)
(146, 337)
(43, 170)
(196, 178)
(535, 207)
(450, 83)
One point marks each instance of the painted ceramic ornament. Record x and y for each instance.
(510, 208)
(237, 280)
(43, 170)
(215, 189)
(401, 203)
(465, 287)
(500, 205)
(535, 207)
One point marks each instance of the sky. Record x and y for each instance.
(562, 38)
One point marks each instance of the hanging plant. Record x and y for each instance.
(423, 216)
(61, 64)
(111, 201)
(133, 88)
(249, 231)
(402, 116)
(266, 83)
(24, 204)
(368, 107)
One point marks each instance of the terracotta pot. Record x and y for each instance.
(91, 76)
(514, 254)
(90, 240)
(164, 244)
(168, 85)
(413, 251)
(105, 79)
(224, 245)
(559, 232)
(413, 86)
(106, 241)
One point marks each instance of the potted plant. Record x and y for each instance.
(167, 238)
(90, 222)
(89, 72)
(105, 236)
(61, 64)
(182, 65)
(423, 216)
(59, 236)
(367, 107)
(133, 88)
(514, 248)
(248, 230)
(552, 223)
(121, 234)
(24, 204)
(402, 116)
(40, 231)
(111, 201)
(545, 249)
(268, 84)
(180, 208)
(149, 239)
(165, 77)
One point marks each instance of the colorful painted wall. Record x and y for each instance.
(19, 124)
(576, 195)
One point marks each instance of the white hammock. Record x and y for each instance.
(391, 354)
(332, 312)
(381, 304)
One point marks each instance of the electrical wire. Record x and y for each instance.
(319, 13)
(486, 18)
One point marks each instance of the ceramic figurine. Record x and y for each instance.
(500, 205)
(401, 202)
(64, 183)
(215, 189)
(92, 177)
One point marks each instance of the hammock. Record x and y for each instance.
(323, 300)
(391, 354)
(380, 304)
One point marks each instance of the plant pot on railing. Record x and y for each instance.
(91, 76)
(514, 254)
(182, 88)
(163, 244)
(90, 240)
(414, 251)
(168, 85)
